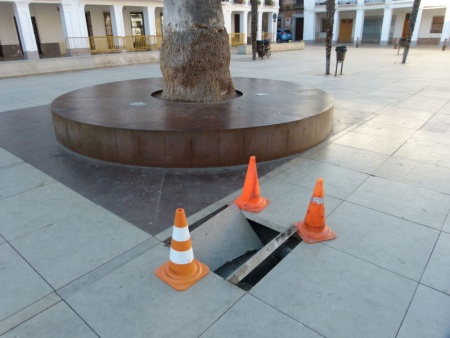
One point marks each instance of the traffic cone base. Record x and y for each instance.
(313, 236)
(252, 206)
(180, 283)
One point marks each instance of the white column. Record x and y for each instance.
(149, 21)
(359, 23)
(26, 32)
(309, 30)
(446, 29)
(227, 20)
(271, 27)
(75, 29)
(117, 20)
(415, 34)
(335, 27)
(244, 24)
(386, 27)
(259, 31)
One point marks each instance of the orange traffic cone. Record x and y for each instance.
(314, 229)
(251, 200)
(182, 270)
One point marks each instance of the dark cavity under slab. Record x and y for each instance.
(122, 122)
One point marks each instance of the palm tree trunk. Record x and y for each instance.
(412, 24)
(254, 25)
(329, 23)
(195, 53)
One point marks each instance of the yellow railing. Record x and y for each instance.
(114, 44)
(237, 39)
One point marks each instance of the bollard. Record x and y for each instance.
(396, 43)
(444, 45)
(357, 42)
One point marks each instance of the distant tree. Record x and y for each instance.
(329, 24)
(195, 52)
(412, 24)
(254, 25)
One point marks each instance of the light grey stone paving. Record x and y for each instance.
(437, 273)
(404, 118)
(38, 208)
(20, 178)
(446, 227)
(371, 142)
(28, 312)
(445, 109)
(381, 239)
(406, 201)
(350, 157)
(336, 294)
(392, 132)
(288, 204)
(338, 182)
(250, 317)
(20, 284)
(7, 158)
(429, 147)
(132, 302)
(416, 173)
(439, 123)
(58, 321)
(78, 244)
(428, 315)
(424, 103)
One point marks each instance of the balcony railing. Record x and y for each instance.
(321, 2)
(347, 2)
(114, 44)
(373, 1)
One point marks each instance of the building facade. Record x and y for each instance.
(51, 28)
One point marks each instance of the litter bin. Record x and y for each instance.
(260, 48)
(340, 53)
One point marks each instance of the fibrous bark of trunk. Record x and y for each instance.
(329, 23)
(195, 53)
(411, 25)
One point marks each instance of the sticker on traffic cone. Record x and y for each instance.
(251, 200)
(182, 270)
(314, 229)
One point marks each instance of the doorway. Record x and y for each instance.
(406, 25)
(345, 30)
(299, 22)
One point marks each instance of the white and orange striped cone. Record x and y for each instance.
(182, 270)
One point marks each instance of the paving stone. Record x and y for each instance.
(250, 317)
(20, 284)
(58, 321)
(427, 316)
(446, 227)
(406, 201)
(350, 157)
(38, 208)
(437, 273)
(381, 239)
(338, 182)
(416, 173)
(132, 302)
(7, 158)
(336, 294)
(72, 247)
(21, 178)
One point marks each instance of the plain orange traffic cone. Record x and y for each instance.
(182, 270)
(314, 229)
(251, 200)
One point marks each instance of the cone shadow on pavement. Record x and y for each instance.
(182, 270)
(313, 228)
(251, 199)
